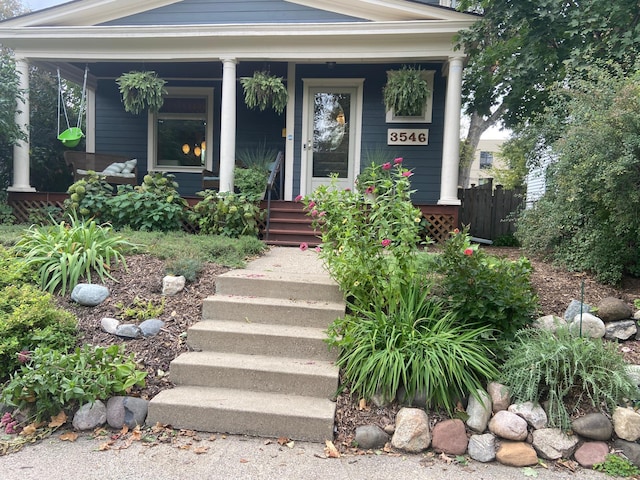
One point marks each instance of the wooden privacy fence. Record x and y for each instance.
(489, 211)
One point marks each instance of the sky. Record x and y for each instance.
(40, 4)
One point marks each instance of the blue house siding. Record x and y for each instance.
(189, 12)
(424, 160)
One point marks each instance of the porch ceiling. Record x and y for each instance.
(368, 41)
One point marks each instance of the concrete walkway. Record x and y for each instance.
(238, 457)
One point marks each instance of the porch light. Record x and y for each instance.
(186, 148)
(197, 151)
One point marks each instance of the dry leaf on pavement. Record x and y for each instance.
(58, 420)
(69, 436)
(330, 450)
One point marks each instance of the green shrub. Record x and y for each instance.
(29, 319)
(617, 466)
(13, 271)
(138, 309)
(564, 371)
(408, 340)
(486, 290)
(88, 198)
(65, 253)
(53, 380)
(227, 213)
(189, 268)
(251, 182)
(369, 246)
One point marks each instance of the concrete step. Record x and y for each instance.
(274, 284)
(244, 412)
(260, 339)
(257, 373)
(271, 310)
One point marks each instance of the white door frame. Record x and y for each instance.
(355, 129)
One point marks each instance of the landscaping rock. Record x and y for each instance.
(172, 285)
(550, 323)
(412, 430)
(594, 426)
(381, 400)
(482, 448)
(89, 294)
(626, 424)
(500, 396)
(553, 443)
(620, 330)
(574, 308)
(508, 425)
(533, 413)
(129, 411)
(611, 309)
(516, 454)
(479, 411)
(151, 327)
(109, 325)
(450, 437)
(370, 437)
(90, 416)
(590, 453)
(631, 450)
(590, 326)
(128, 330)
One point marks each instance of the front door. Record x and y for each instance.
(332, 132)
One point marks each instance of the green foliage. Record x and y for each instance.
(506, 240)
(406, 339)
(251, 182)
(65, 253)
(138, 309)
(45, 215)
(616, 466)
(29, 319)
(485, 290)
(189, 268)
(13, 270)
(588, 220)
(6, 212)
(369, 246)
(53, 380)
(259, 157)
(564, 371)
(88, 198)
(264, 90)
(226, 213)
(406, 91)
(141, 91)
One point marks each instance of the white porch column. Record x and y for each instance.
(451, 139)
(21, 148)
(228, 124)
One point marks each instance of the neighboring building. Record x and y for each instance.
(485, 158)
(333, 56)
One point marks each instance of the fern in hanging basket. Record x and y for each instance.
(406, 92)
(263, 91)
(141, 91)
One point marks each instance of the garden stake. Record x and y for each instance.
(581, 303)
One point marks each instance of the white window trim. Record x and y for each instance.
(427, 111)
(152, 132)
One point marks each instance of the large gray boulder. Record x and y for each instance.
(611, 309)
(89, 294)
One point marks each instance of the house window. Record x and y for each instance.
(181, 136)
(486, 160)
(427, 112)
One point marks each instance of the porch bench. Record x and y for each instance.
(118, 169)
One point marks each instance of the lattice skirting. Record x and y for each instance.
(442, 220)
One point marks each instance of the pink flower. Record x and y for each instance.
(386, 242)
(322, 214)
(397, 161)
(468, 251)
(304, 246)
(407, 173)
(314, 213)
(24, 356)
(347, 189)
(456, 231)
(318, 249)
(386, 166)
(298, 198)
(311, 204)
(369, 190)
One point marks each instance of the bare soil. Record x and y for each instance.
(554, 286)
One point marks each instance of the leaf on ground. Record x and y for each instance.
(330, 450)
(362, 404)
(105, 446)
(244, 460)
(125, 430)
(200, 450)
(69, 436)
(283, 441)
(29, 429)
(529, 472)
(136, 434)
(212, 438)
(445, 458)
(58, 420)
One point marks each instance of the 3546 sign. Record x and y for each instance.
(407, 136)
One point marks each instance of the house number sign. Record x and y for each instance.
(407, 136)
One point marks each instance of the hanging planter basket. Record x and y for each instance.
(263, 91)
(71, 137)
(406, 92)
(141, 91)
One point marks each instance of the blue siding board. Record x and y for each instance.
(190, 12)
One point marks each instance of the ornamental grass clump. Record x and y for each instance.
(408, 340)
(565, 371)
(65, 253)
